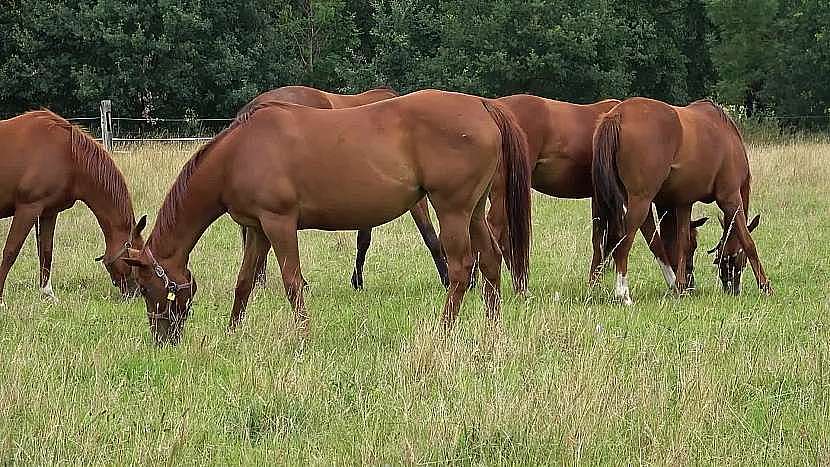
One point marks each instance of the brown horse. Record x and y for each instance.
(311, 97)
(286, 167)
(46, 165)
(647, 151)
(560, 156)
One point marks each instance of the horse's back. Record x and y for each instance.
(392, 151)
(713, 142)
(300, 95)
(34, 158)
(560, 142)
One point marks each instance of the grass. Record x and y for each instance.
(568, 377)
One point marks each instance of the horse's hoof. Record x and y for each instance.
(357, 282)
(766, 289)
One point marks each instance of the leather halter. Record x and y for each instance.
(108, 262)
(171, 288)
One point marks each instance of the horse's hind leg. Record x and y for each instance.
(484, 245)
(682, 218)
(24, 219)
(256, 250)
(45, 240)
(638, 208)
(364, 239)
(455, 237)
(420, 214)
(281, 230)
(654, 238)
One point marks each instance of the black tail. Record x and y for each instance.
(514, 161)
(609, 192)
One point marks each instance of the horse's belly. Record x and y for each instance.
(562, 178)
(344, 209)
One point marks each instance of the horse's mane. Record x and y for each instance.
(173, 200)
(93, 159)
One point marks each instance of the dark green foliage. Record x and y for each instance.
(208, 57)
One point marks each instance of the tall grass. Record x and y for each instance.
(568, 376)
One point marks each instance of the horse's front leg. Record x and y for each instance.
(281, 230)
(24, 219)
(45, 230)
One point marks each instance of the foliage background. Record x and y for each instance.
(208, 57)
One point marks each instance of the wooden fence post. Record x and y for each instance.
(106, 124)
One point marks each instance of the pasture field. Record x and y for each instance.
(568, 376)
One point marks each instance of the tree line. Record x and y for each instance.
(208, 57)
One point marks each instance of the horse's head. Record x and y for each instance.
(168, 293)
(730, 258)
(120, 272)
(690, 253)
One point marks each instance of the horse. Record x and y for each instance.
(46, 165)
(560, 155)
(647, 151)
(287, 167)
(316, 98)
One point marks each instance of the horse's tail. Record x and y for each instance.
(514, 161)
(609, 192)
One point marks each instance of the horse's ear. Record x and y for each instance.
(753, 224)
(140, 226)
(696, 224)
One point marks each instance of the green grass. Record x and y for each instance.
(568, 376)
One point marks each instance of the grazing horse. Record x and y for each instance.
(286, 167)
(46, 165)
(645, 152)
(560, 153)
(311, 97)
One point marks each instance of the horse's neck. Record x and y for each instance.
(200, 207)
(115, 219)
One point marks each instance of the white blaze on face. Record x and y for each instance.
(621, 290)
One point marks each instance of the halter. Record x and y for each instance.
(108, 262)
(172, 288)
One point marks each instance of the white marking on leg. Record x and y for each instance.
(621, 290)
(47, 290)
(668, 274)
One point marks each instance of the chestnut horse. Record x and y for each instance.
(645, 152)
(560, 154)
(311, 97)
(46, 165)
(286, 167)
